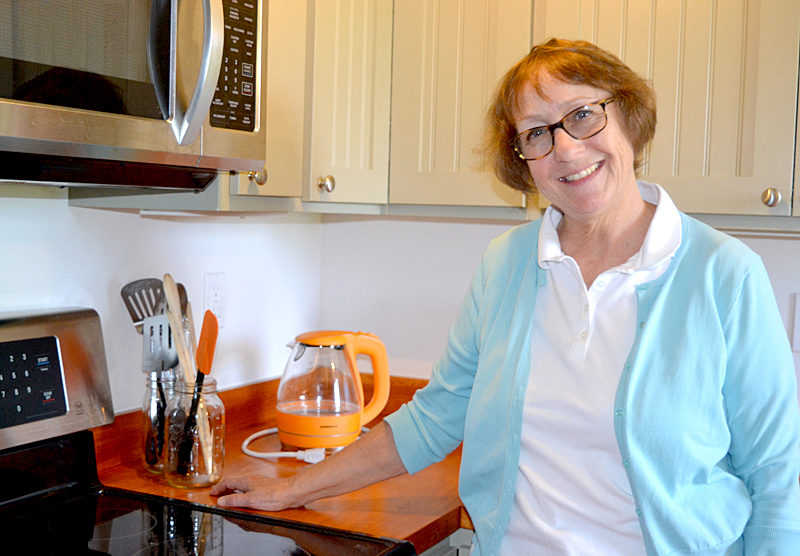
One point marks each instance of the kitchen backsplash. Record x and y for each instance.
(400, 278)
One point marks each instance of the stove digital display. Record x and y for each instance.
(31, 381)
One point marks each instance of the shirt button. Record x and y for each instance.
(585, 307)
(584, 335)
(619, 413)
(638, 512)
(625, 463)
(641, 324)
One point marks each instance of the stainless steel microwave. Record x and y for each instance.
(144, 93)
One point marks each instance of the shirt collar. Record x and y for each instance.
(661, 241)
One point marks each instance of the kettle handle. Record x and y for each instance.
(371, 346)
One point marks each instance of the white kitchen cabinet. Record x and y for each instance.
(287, 44)
(351, 88)
(427, 69)
(448, 57)
(725, 76)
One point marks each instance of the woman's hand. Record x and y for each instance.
(255, 491)
(368, 460)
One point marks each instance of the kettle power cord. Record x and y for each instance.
(312, 455)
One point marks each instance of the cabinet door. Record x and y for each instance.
(725, 76)
(351, 100)
(448, 57)
(286, 77)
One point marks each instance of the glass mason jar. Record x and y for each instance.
(158, 390)
(195, 427)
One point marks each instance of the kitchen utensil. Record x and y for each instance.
(158, 349)
(320, 396)
(183, 297)
(159, 388)
(185, 352)
(158, 358)
(188, 321)
(142, 298)
(205, 357)
(176, 323)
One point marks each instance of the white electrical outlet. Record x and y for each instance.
(215, 295)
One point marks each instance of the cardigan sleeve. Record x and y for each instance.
(760, 393)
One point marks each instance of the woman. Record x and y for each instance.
(618, 374)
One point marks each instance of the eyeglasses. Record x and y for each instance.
(580, 124)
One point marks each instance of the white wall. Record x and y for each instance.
(400, 278)
(53, 255)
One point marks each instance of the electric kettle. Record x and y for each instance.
(320, 395)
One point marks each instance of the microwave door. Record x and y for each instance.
(91, 97)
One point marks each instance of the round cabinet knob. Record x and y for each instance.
(327, 183)
(259, 177)
(771, 197)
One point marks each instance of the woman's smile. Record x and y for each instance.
(582, 174)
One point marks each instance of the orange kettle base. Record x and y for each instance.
(318, 431)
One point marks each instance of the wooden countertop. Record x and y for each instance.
(423, 508)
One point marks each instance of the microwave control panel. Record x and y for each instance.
(31, 381)
(234, 103)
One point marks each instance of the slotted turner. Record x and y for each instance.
(158, 356)
(143, 298)
(158, 350)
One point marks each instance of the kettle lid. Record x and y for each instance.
(325, 338)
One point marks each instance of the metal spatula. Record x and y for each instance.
(158, 356)
(143, 298)
(158, 350)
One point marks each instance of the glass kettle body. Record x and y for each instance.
(320, 401)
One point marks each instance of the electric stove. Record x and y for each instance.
(53, 389)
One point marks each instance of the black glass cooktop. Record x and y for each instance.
(122, 524)
(63, 514)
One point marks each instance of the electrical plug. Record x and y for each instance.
(314, 455)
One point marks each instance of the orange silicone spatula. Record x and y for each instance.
(207, 344)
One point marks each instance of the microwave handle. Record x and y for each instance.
(159, 51)
(186, 124)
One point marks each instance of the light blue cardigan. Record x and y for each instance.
(706, 412)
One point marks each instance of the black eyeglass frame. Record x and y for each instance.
(560, 125)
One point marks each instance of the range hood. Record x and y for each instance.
(71, 171)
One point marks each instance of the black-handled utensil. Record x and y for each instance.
(204, 358)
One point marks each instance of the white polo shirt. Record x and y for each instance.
(572, 494)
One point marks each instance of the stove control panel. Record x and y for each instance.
(53, 375)
(31, 381)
